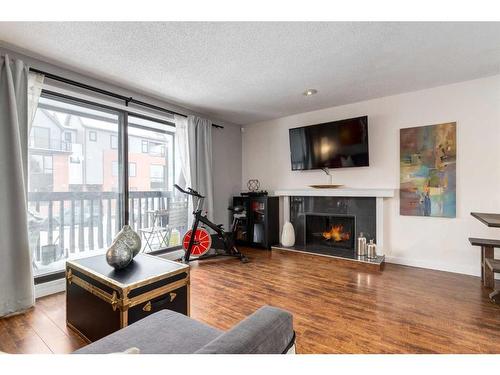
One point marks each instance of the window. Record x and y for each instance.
(132, 170)
(40, 137)
(77, 197)
(157, 149)
(66, 195)
(157, 176)
(41, 173)
(114, 141)
(114, 168)
(92, 135)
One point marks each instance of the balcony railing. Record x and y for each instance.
(77, 222)
(53, 144)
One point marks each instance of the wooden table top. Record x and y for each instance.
(491, 220)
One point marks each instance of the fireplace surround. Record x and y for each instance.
(318, 215)
(311, 216)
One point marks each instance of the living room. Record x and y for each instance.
(276, 188)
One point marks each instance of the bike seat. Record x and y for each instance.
(238, 209)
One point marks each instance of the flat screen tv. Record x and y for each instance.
(336, 144)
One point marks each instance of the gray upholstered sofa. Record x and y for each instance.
(269, 330)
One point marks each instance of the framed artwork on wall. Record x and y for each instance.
(428, 170)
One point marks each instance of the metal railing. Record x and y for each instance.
(53, 144)
(74, 222)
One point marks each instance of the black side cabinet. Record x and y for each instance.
(260, 227)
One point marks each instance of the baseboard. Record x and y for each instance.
(50, 287)
(466, 270)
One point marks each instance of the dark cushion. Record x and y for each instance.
(269, 330)
(165, 332)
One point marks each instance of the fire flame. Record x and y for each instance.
(336, 233)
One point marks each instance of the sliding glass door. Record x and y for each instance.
(79, 197)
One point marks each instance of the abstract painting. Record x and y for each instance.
(428, 170)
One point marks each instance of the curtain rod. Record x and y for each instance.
(126, 99)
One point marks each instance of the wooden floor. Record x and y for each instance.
(336, 309)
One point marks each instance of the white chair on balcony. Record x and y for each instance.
(157, 234)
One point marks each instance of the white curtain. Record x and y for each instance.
(182, 155)
(16, 273)
(200, 160)
(194, 144)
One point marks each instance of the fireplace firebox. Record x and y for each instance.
(330, 231)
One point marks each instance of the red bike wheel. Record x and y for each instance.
(202, 241)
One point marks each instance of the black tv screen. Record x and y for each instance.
(336, 144)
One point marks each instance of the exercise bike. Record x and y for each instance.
(197, 241)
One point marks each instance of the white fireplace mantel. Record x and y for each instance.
(338, 192)
(379, 194)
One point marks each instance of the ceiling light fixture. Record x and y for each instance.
(310, 92)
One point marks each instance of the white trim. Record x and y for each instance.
(379, 225)
(339, 192)
(467, 270)
(50, 287)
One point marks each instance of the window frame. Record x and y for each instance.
(123, 115)
(70, 134)
(92, 136)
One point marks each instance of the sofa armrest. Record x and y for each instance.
(269, 330)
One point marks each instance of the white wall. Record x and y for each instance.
(226, 153)
(419, 241)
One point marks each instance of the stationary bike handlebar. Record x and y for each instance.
(189, 191)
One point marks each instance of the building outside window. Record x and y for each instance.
(40, 137)
(157, 176)
(92, 135)
(68, 137)
(41, 167)
(145, 147)
(114, 141)
(114, 168)
(132, 169)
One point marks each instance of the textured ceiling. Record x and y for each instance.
(248, 72)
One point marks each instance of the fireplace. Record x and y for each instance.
(328, 222)
(330, 231)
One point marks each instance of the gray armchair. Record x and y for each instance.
(269, 330)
